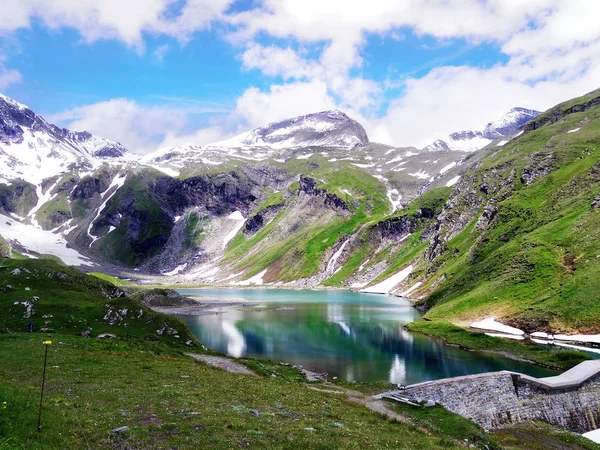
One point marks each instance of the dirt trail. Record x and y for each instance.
(222, 363)
(375, 405)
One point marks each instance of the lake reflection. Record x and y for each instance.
(357, 337)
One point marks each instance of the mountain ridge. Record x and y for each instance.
(505, 127)
(329, 128)
(33, 149)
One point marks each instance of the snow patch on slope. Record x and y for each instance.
(117, 183)
(41, 241)
(237, 217)
(453, 181)
(330, 269)
(255, 280)
(388, 285)
(490, 324)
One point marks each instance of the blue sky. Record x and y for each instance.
(154, 73)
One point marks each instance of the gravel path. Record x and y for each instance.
(374, 404)
(222, 363)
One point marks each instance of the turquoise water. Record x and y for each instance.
(356, 337)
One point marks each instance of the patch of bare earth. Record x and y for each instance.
(375, 405)
(222, 363)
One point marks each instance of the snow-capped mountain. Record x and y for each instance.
(469, 141)
(332, 129)
(33, 149)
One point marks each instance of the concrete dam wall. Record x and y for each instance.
(493, 400)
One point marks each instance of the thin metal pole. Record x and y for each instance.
(42, 395)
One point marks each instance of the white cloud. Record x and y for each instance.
(198, 137)
(454, 98)
(553, 49)
(140, 129)
(276, 61)
(160, 52)
(195, 15)
(283, 101)
(8, 76)
(126, 21)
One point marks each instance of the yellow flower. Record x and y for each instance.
(47, 342)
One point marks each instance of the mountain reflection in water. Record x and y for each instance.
(356, 337)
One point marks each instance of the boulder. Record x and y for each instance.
(107, 336)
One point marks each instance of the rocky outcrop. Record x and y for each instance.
(5, 250)
(596, 203)
(541, 165)
(397, 228)
(459, 211)
(267, 175)
(219, 194)
(557, 113)
(154, 298)
(308, 186)
(489, 214)
(92, 185)
(18, 198)
(262, 218)
(467, 199)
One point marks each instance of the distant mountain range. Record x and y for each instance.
(497, 131)
(33, 149)
(175, 211)
(500, 222)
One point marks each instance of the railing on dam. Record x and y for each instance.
(494, 400)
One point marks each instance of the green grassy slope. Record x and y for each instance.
(62, 299)
(170, 401)
(366, 251)
(294, 243)
(145, 382)
(5, 250)
(537, 264)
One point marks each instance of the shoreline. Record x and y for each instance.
(215, 306)
(204, 306)
(502, 349)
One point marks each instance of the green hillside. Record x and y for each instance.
(145, 382)
(519, 237)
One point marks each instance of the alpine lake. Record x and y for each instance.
(351, 336)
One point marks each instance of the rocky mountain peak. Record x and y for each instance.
(33, 149)
(508, 124)
(17, 121)
(472, 140)
(332, 129)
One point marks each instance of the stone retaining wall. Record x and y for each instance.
(495, 400)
